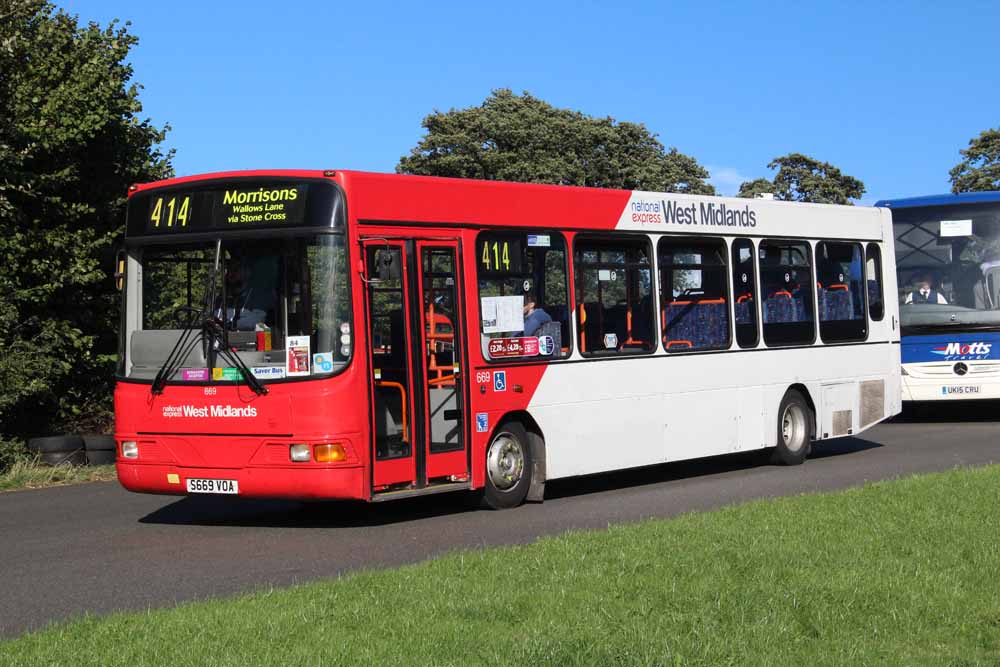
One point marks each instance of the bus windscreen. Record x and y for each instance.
(948, 261)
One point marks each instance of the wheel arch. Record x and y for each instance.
(536, 442)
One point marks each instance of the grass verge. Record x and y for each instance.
(33, 475)
(904, 572)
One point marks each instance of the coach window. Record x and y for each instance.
(840, 295)
(693, 294)
(523, 295)
(614, 301)
(744, 293)
(876, 306)
(786, 288)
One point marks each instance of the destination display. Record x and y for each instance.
(230, 206)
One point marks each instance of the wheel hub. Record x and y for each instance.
(793, 427)
(505, 462)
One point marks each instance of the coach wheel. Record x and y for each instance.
(794, 422)
(508, 467)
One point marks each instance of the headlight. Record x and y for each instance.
(130, 449)
(299, 453)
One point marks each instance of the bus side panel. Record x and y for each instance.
(894, 391)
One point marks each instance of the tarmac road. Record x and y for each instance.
(97, 548)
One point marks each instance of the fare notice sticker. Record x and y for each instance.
(526, 346)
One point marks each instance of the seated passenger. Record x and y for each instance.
(923, 291)
(533, 317)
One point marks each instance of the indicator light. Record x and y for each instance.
(330, 453)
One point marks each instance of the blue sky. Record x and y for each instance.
(888, 92)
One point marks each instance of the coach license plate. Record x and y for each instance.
(212, 486)
(960, 390)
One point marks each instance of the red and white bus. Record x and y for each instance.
(338, 334)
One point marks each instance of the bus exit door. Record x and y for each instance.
(418, 392)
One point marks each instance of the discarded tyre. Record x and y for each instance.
(55, 444)
(100, 457)
(98, 443)
(77, 458)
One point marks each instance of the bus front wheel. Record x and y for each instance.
(508, 467)
(794, 427)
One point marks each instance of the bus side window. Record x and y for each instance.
(694, 294)
(614, 299)
(523, 295)
(876, 305)
(744, 293)
(840, 291)
(787, 292)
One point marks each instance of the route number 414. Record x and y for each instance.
(181, 215)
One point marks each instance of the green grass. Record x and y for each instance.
(34, 475)
(904, 572)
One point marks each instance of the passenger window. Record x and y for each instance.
(876, 305)
(523, 295)
(614, 302)
(693, 294)
(786, 288)
(744, 293)
(840, 292)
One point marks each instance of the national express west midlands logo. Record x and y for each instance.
(171, 411)
(704, 213)
(955, 351)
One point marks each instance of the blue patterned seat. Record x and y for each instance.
(779, 308)
(697, 325)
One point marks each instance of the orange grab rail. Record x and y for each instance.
(402, 395)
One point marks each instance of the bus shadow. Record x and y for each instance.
(705, 467)
(262, 513)
(950, 412)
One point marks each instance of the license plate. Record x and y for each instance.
(213, 486)
(960, 390)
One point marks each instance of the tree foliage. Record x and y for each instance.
(802, 178)
(758, 186)
(980, 166)
(513, 137)
(70, 145)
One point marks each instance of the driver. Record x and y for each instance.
(924, 292)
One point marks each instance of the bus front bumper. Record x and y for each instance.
(305, 483)
(950, 389)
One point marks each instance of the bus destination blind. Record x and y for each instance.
(179, 211)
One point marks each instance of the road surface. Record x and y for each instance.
(97, 548)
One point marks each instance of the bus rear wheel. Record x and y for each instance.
(508, 467)
(794, 428)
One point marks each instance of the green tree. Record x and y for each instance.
(802, 178)
(522, 138)
(70, 145)
(980, 166)
(750, 189)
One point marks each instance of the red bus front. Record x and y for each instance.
(237, 339)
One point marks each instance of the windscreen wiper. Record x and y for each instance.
(211, 330)
(182, 347)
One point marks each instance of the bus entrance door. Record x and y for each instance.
(417, 392)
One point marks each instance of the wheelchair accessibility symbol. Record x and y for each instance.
(323, 362)
(500, 381)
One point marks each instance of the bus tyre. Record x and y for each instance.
(508, 467)
(794, 427)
